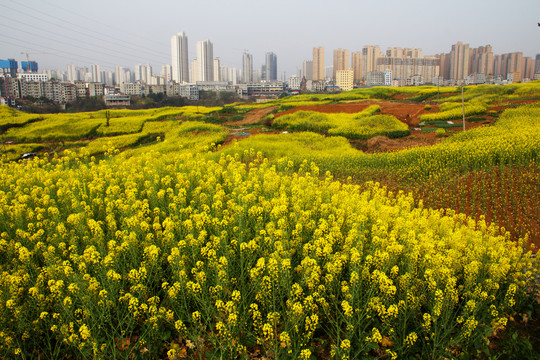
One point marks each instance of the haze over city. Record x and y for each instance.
(56, 33)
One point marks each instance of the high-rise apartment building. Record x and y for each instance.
(166, 73)
(229, 74)
(512, 63)
(96, 73)
(444, 65)
(270, 67)
(217, 67)
(195, 71)
(481, 60)
(459, 61)
(72, 73)
(138, 72)
(370, 55)
(528, 68)
(143, 73)
(119, 75)
(497, 65)
(341, 61)
(537, 64)
(205, 60)
(307, 70)
(247, 67)
(179, 58)
(357, 65)
(318, 63)
(408, 65)
(396, 52)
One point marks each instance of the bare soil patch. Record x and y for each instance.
(385, 144)
(253, 117)
(408, 113)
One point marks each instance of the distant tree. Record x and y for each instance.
(93, 103)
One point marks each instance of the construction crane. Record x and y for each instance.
(28, 58)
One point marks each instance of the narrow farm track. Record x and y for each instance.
(253, 117)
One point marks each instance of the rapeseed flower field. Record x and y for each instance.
(158, 253)
(156, 242)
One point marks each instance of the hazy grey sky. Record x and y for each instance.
(121, 32)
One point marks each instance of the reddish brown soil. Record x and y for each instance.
(405, 112)
(234, 134)
(385, 144)
(408, 113)
(253, 117)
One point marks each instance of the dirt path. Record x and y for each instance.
(253, 117)
(408, 113)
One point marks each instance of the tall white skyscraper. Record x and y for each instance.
(205, 59)
(217, 66)
(229, 74)
(247, 67)
(148, 71)
(143, 73)
(271, 67)
(179, 56)
(166, 73)
(96, 73)
(72, 73)
(119, 75)
(307, 70)
(195, 71)
(138, 71)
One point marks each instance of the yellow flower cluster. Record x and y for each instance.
(137, 254)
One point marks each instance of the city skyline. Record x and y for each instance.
(105, 38)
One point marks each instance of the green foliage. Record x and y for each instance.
(10, 117)
(444, 124)
(361, 125)
(370, 110)
(440, 132)
(275, 146)
(11, 152)
(370, 126)
(93, 103)
(453, 111)
(305, 121)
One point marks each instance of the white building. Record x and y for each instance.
(195, 73)
(229, 74)
(143, 73)
(294, 83)
(96, 73)
(387, 77)
(247, 67)
(217, 65)
(33, 76)
(375, 78)
(307, 70)
(179, 58)
(329, 73)
(166, 73)
(72, 73)
(190, 92)
(134, 89)
(315, 85)
(205, 60)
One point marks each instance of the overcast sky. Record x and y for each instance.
(122, 32)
